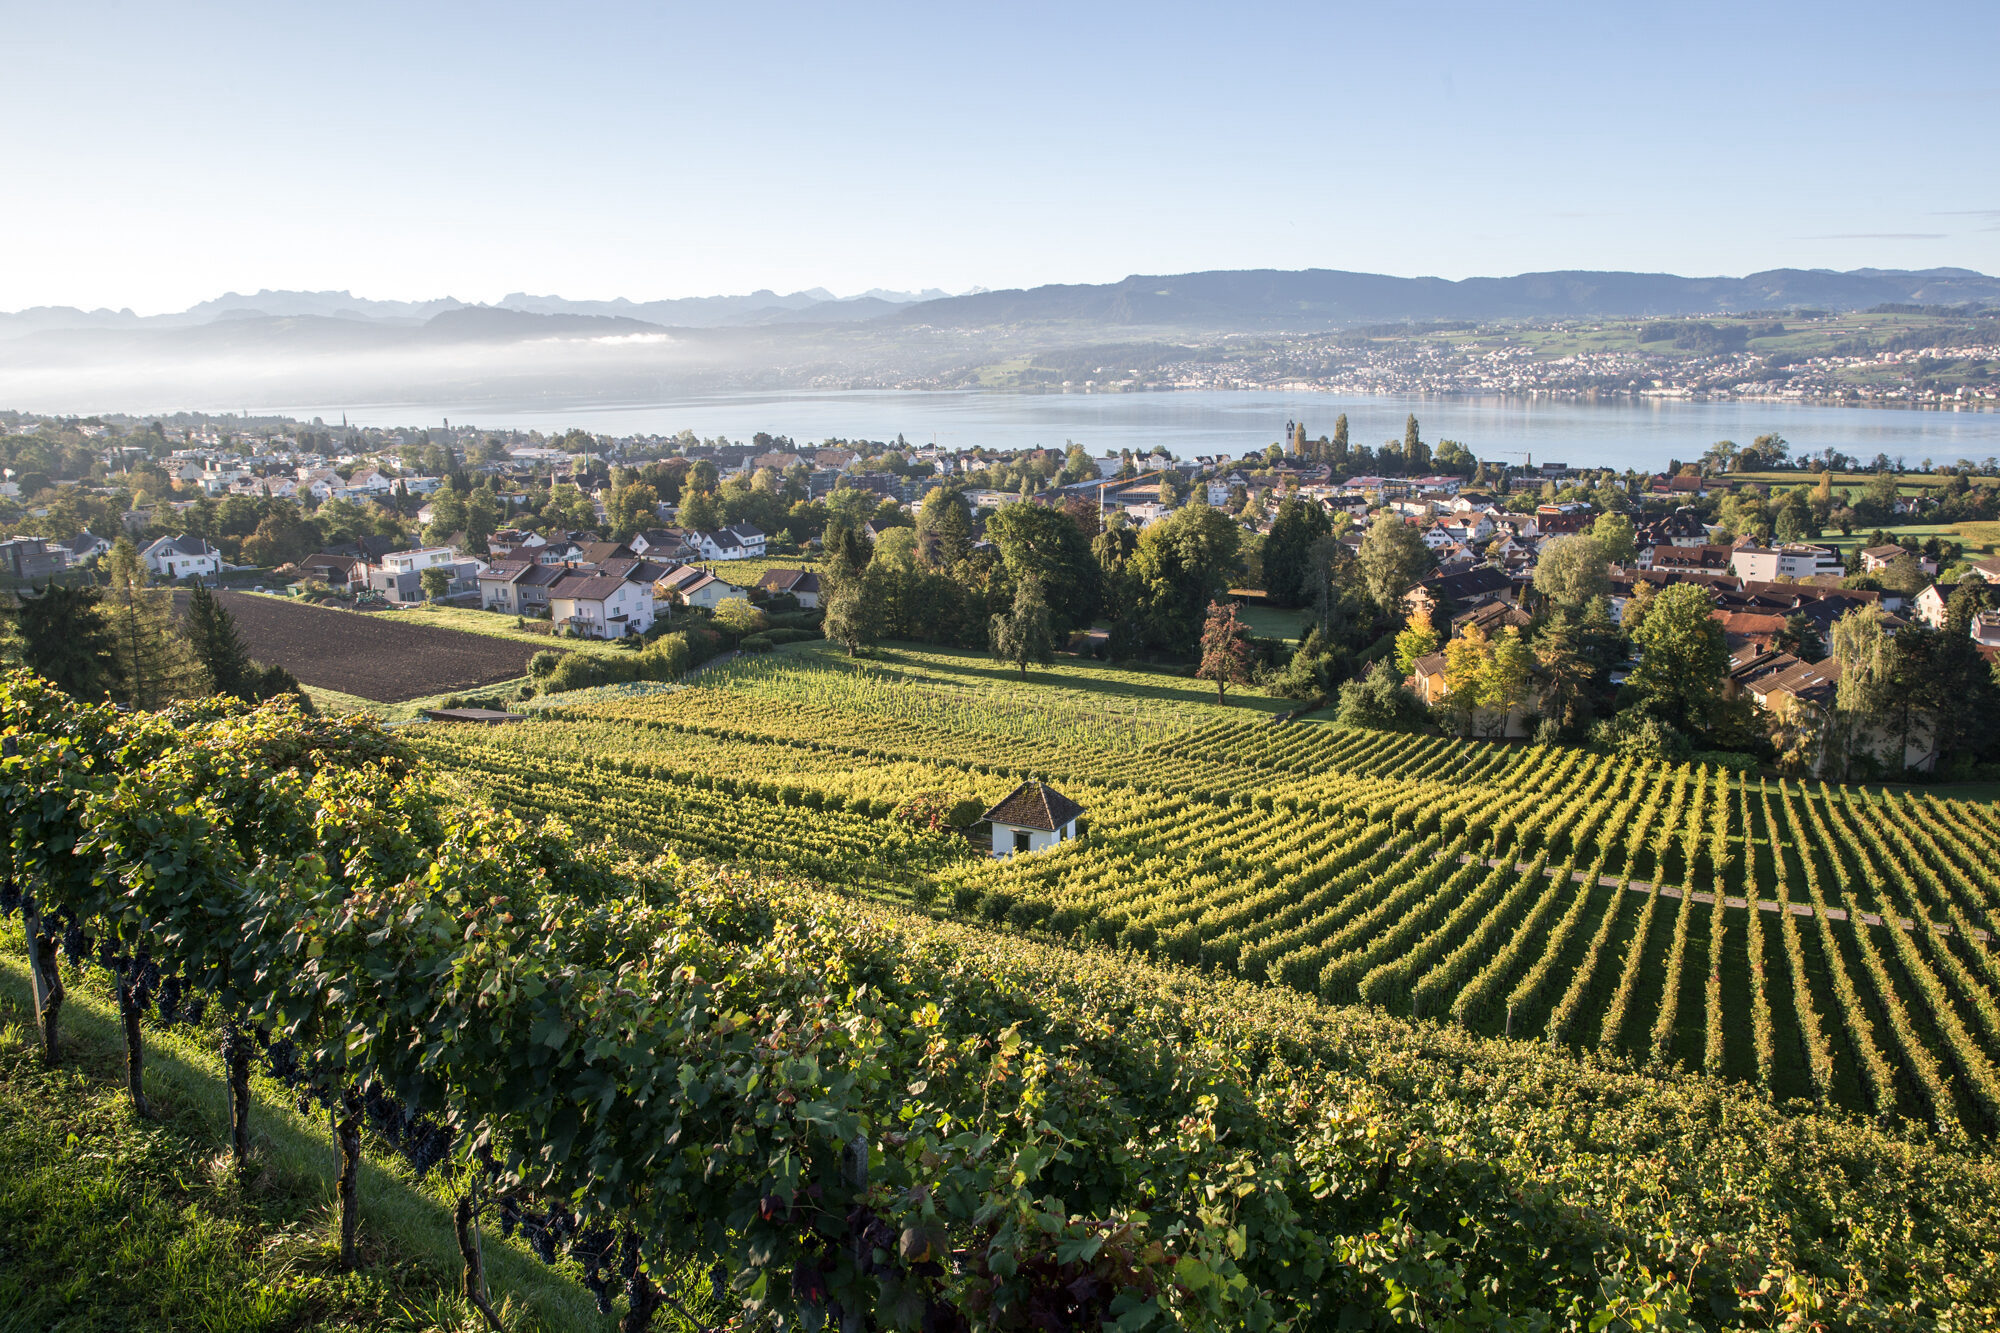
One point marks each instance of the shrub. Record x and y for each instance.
(739, 617)
(782, 635)
(578, 671)
(757, 643)
(544, 663)
(666, 658)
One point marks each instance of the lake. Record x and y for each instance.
(1620, 434)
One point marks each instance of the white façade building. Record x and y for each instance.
(182, 557)
(1033, 817)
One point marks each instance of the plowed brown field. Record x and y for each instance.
(376, 655)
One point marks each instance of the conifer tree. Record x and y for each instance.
(211, 633)
(153, 664)
(1416, 454)
(65, 640)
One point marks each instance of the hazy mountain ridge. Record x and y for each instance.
(1223, 300)
(815, 306)
(1271, 299)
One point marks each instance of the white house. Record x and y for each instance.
(182, 557)
(1033, 817)
(1931, 606)
(85, 546)
(399, 575)
(741, 542)
(601, 606)
(1767, 564)
(697, 587)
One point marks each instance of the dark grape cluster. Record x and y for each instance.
(421, 1140)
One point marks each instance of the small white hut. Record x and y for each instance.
(1034, 816)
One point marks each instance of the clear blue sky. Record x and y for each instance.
(160, 154)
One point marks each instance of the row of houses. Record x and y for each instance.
(1756, 616)
(26, 559)
(622, 594)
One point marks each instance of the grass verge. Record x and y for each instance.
(109, 1223)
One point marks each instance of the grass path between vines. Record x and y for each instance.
(112, 1223)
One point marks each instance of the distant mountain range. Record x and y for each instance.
(1246, 300)
(1277, 299)
(817, 306)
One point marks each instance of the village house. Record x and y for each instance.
(512, 541)
(1463, 590)
(800, 584)
(340, 572)
(739, 542)
(695, 586)
(663, 544)
(1793, 560)
(1708, 557)
(28, 558)
(182, 557)
(601, 606)
(1427, 678)
(1930, 606)
(399, 576)
(1875, 559)
(517, 587)
(1032, 818)
(82, 548)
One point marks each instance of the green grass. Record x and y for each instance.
(111, 1223)
(1907, 483)
(410, 710)
(497, 625)
(745, 573)
(1272, 622)
(958, 666)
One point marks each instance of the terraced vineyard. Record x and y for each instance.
(1816, 941)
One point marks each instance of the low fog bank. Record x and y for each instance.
(138, 376)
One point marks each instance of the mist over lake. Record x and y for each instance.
(1621, 434)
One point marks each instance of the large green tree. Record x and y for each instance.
(944, 527)
(1024, 634)
(700, 511)
(1614, 535)
(1682, 657)
(1287, 550)
(1416, 454)
(1393, 559)
(1572, 571)
(1182, 563)
(1044, 544)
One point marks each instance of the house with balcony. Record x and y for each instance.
(600, 606)
(399, 576)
